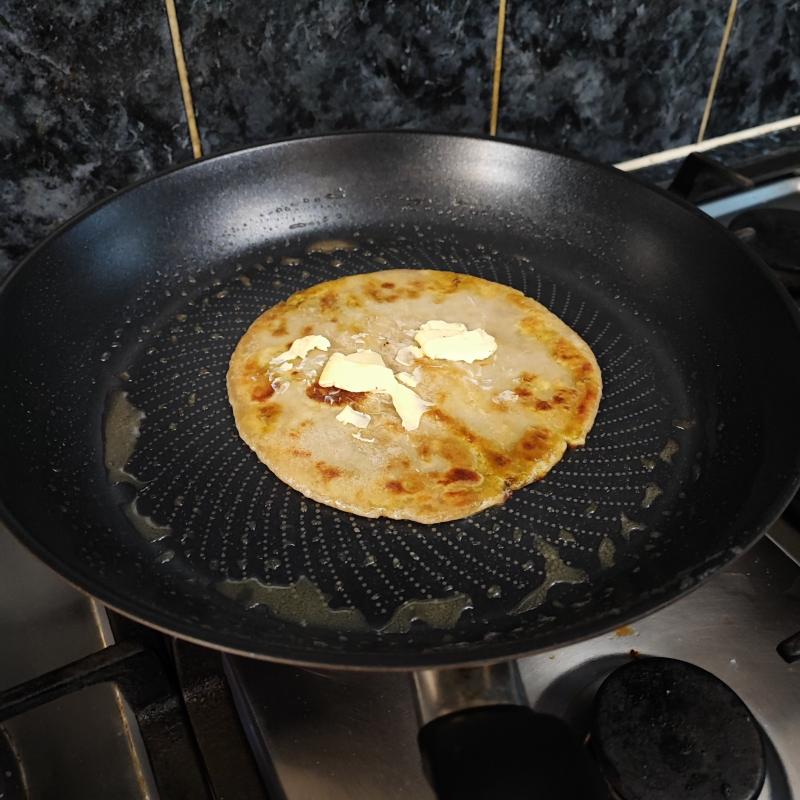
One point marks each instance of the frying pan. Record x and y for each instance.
(134, 307)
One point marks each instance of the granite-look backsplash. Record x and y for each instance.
(91, 100)
(90, 104)
(611, 80)
(262, 71)
(760, 80)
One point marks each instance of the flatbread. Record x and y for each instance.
(493, 426)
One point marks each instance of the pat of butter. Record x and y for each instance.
(367, 357)
(301, 347)
(407, 378)
(361, 372)
(408, 354)
(451, 341)
(349, 416)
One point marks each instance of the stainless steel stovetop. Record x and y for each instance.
(349, 735)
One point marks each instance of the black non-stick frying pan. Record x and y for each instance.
(693, 454)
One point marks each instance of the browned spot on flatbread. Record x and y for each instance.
(453, 425)
(460, 497)
(307, 330)
(381, 295)
(279, 330)
(327, 471)
(333, 396)
(268, 414)
(262, 392)
(390, 292)
(395, 486)
(460, 474)
(589, 398)
(562, 396)
(328, 301)
(535, 444)
(498, 459)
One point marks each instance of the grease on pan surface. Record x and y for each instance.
(493, 426)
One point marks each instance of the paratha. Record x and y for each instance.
(488, 427)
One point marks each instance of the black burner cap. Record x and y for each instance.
(664, 729)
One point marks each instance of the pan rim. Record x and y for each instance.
(480, 652)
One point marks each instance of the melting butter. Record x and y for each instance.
(364, 372)
(301, 602)
(120, 434)
(442, 613)
(301, 348)
(606, 552)
(555, 571)
(330, 246)
(349, 416)
(452, 341)
(670, 448)
(145, 525)
(651, 492)
(407, 355)
(628, 526)
(407, 378)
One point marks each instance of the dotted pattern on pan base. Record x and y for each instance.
(232, 520)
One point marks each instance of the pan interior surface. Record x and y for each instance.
(127, 474)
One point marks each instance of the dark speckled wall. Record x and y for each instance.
(265, 70)
(91, 100)
(89, 103)
(760, 81)
(614, 80)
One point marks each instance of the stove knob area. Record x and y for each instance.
(666, 729)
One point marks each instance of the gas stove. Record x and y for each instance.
(97, 706)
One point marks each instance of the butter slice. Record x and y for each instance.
(407, 378)
(361, 372)
(367, 357)
(349, 416)
(302, 347)
(408, 354)
(452, 341)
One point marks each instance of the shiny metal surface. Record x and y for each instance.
(730, 626)
(328, 735)
(84, 745)
(784, 193)
(442, 691)
(339, 735)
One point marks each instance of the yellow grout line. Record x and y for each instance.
(712, 90)
(183, 78)
(498, 67)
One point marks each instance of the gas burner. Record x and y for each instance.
(666, 729)
(774, 233)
